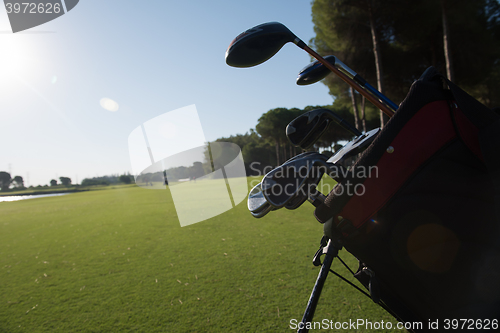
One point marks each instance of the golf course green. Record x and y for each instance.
(117, 260)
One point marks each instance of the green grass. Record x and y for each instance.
(118, 261)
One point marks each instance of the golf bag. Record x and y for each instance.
(422, 213)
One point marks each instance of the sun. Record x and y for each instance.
(23, 69)
(15, 55)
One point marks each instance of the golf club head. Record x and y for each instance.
(296, 201)
(314, 72)
(257, 204)
(281, 185)
(302, 196)
(299, 199)
(262, 212)
(258, 44)
(354, 147)
(307, 128)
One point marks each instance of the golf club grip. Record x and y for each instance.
(350, 82)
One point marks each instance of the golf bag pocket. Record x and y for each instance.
(423, 217)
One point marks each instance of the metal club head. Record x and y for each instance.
(307, 128)
(314, 72)
(283, 184)
(356, 146)
(257, 204)
(258, 44)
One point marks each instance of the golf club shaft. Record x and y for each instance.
(346, 125)
(349, 81)
(365, 85)
(378, 94)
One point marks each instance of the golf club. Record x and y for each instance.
(257, 204)
(283, 184)
(354, 147)
(314, 197)
(316, 71)
(307, 128)
(296, 201)
(260, 43)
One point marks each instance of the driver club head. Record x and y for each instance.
(314, 72)
(258, 44)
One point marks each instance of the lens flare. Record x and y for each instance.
(109, 104)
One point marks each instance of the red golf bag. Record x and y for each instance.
(423, 219)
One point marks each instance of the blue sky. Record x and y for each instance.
(150, 57)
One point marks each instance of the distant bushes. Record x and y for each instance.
(108, 180)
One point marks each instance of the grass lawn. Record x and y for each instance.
(118, 261)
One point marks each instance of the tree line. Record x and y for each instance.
(7, 183)
(17, 182)
(267, 145)
(108, 180)
(262, 147)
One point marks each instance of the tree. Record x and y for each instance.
(461, 35)
(126, 179)
(65, 181)
(357, 31)
(5, 181)
(198, 170)
(257, 152)
(446, 44)
(257, 156)
(158, 177)
(53, 182)
(18, 182)
(95, 181)
(267, 127)
(374, 16)
(354, 108)
(272, 126)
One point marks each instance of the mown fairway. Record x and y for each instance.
(117, 261)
